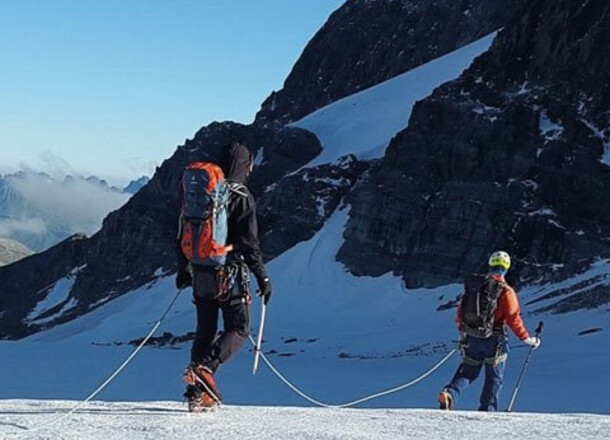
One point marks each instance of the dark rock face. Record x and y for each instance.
(367, 42)
(298, 206)
(507, 156)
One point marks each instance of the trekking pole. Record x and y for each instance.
(259, 338)
(527, 359)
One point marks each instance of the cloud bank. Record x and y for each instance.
(40, 211)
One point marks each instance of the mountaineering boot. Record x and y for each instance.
(202, 377)
(199, 401)
(445, 400)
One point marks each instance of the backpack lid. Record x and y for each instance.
(214, 172)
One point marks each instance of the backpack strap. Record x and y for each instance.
(504, 286)
(238, 188)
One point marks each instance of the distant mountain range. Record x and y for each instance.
(135, 185)
(39, 210)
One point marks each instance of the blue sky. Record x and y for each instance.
(111, 87)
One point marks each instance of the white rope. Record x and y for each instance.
(354, 402)
(112, 376)
(262, 355)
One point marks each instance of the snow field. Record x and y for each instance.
(336, 336)
(170, 421)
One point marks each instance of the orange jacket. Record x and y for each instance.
(508, 311)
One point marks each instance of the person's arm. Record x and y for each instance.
(509, 306)
(246, 226)
(248, 245)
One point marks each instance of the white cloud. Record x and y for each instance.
(12, 227)
(77, 204)
(42, 211)
(49, 163)
(56, 165)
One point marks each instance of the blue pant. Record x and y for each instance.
(492, 353)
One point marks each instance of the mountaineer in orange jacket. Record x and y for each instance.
(487, 306)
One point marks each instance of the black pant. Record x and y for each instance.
(235, 309)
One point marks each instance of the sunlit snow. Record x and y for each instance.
(364, 123)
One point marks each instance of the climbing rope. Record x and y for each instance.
(262, 355)
(113, 375)
(354, 402)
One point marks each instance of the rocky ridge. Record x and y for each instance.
(367, 42)
(512, 155)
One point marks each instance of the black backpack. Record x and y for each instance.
(479, 303)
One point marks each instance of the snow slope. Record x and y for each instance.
(170, 421)
(336, 336)
(364, 123)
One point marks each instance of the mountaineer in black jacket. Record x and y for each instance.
(208, 354)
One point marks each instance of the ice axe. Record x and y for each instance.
(527, 359)
(259, 337)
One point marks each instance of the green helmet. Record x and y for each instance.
(500, 259)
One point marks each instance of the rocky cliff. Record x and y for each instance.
(366, 42)
(512, 155)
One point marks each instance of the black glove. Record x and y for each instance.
(264, 289)
(183, 279)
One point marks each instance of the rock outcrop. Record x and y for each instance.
(513, 154)
(366, 42)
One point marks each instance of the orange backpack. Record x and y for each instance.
(204, 217)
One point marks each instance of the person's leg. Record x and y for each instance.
(467, 372)
(207, 326)
(495, 362)
(201, 391)
(204, 290)
(463, 377)
(236, 319)
(493, 384)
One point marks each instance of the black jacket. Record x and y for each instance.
(243, 226)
